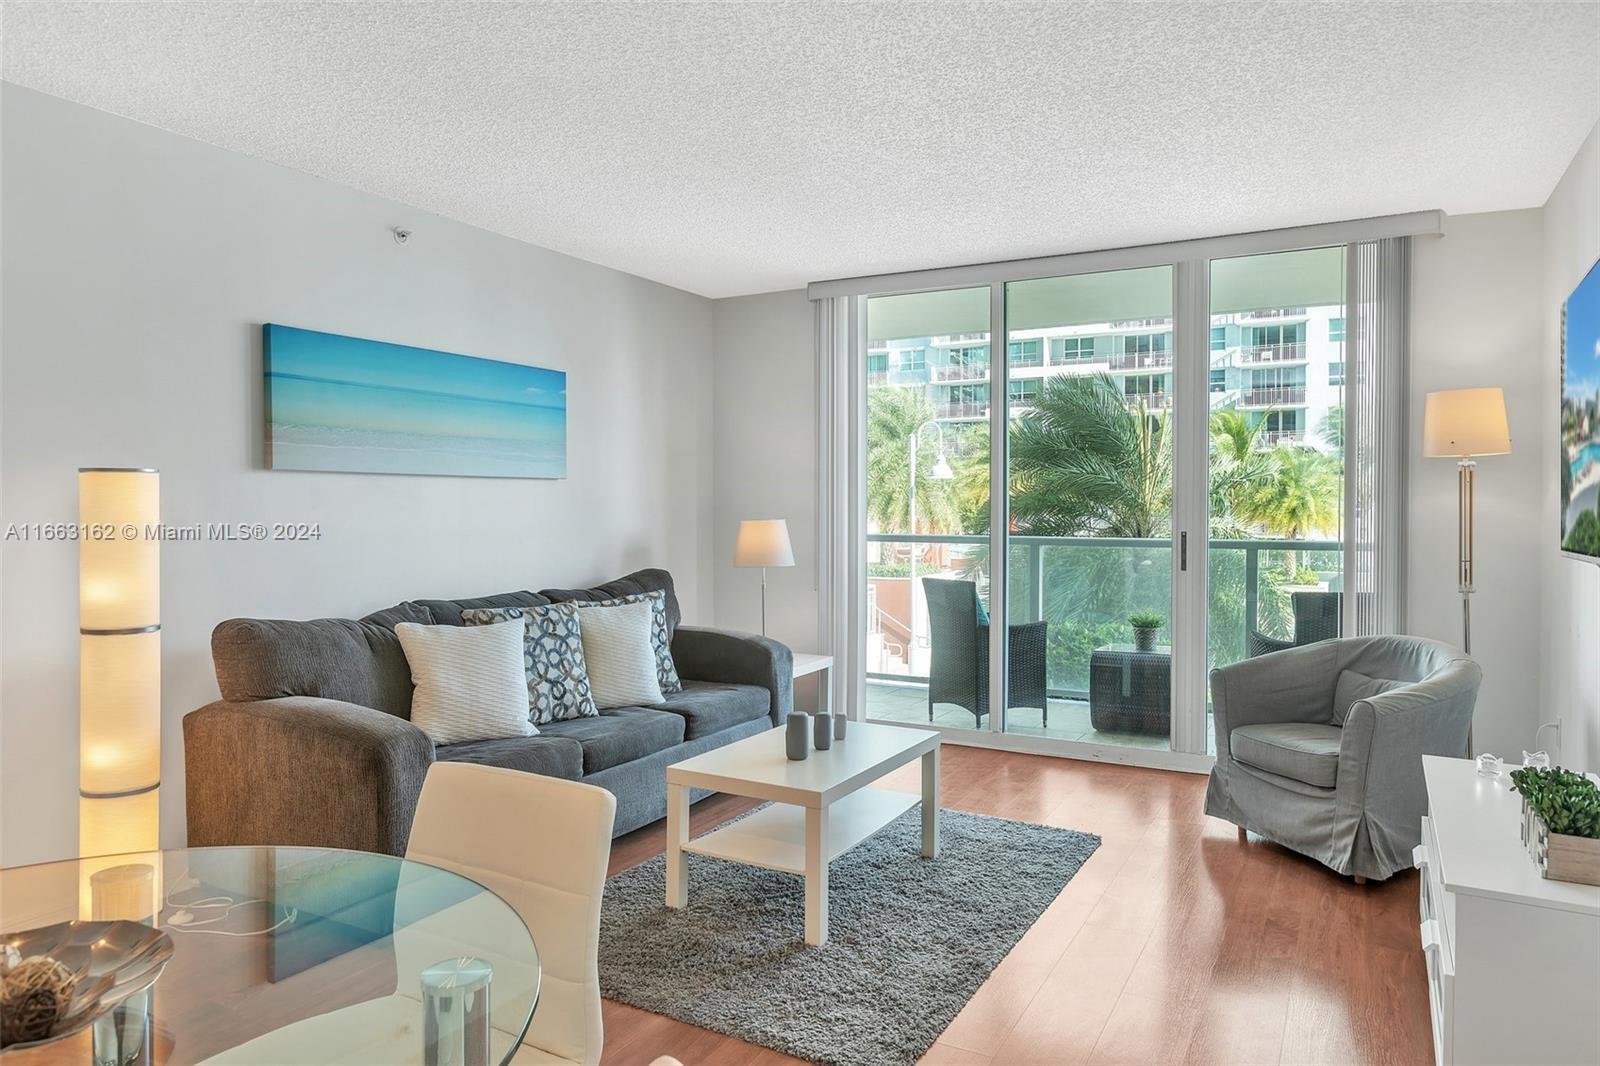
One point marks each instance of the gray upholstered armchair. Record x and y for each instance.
(1320, 748)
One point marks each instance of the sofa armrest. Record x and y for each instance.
(704, 654)
(1294, 685)
(300, 770)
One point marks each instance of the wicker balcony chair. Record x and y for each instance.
(1316, 617)
(959, 668)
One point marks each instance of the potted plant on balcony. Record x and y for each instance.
(1145, 626)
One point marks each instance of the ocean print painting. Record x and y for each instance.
(1580, 420)
(346, 404)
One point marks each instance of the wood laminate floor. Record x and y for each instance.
(1174, 943)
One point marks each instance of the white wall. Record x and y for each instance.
(1476, 320)
(765, 415)
(1570, 629)
(138, 267)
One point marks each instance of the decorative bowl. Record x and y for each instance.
(113, 960)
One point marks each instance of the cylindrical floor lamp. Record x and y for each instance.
(1464, 424)
(119, 686)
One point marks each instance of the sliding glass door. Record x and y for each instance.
(1091, 392)
(1276, 469)
(1166, 495)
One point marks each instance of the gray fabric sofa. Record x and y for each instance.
(1349, 795)
(311, 742)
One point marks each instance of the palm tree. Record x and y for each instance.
(1332, 427)
(1086, 463)
(1238, 468)
(893, 415)
(1300, 498)
(1233, 433)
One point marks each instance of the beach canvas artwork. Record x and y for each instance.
(346, 404)
(1580, 420)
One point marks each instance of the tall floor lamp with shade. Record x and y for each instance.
(763, 542)
(1464, 425)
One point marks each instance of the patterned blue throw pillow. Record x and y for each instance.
(660, 635)
(552, 657)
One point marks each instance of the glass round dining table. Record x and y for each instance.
(289, 955)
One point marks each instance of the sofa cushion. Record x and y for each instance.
(547, 755)
(331, 658)
(1303, 751)
(448, 612)
(636, 583)
(619, 736)
(469, 681)
(1352, 688)
(619, 654)
(552, 658)
(404, 611)
(660, 634)
(708, 707)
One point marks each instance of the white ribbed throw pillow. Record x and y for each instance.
(470, 682)
(620, 655)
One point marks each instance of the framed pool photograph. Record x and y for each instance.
(1580, 420)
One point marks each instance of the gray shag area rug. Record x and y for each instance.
(910, 939)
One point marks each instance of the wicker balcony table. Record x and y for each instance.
(1130, 691)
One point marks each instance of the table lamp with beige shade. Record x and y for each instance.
(1464, 424)
(763, 542)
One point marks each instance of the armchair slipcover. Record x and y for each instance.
(1349, 795)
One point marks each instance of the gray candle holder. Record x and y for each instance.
(822, 730)
(798, 744)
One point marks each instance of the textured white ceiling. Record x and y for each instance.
(733, 148)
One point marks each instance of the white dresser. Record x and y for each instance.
(1513, 959)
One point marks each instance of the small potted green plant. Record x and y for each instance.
(1565, 831)
(1146, 624)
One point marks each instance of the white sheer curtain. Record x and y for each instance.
(834, 489)
(1376, 355)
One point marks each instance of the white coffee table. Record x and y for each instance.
(821, 806)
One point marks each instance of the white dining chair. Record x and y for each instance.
(542, 844)
(539, 843)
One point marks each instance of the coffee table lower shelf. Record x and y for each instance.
(775, 837)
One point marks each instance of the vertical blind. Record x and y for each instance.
(1376, 358)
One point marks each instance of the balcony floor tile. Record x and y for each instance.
(1069, 719)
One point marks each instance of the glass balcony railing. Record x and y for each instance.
(1140, 360)
(1273, 353)
(961, 409)
(970, 371)
(1274, 396)
(1085, 588)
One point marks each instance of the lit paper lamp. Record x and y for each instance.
(763, 542)
(119, 688)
